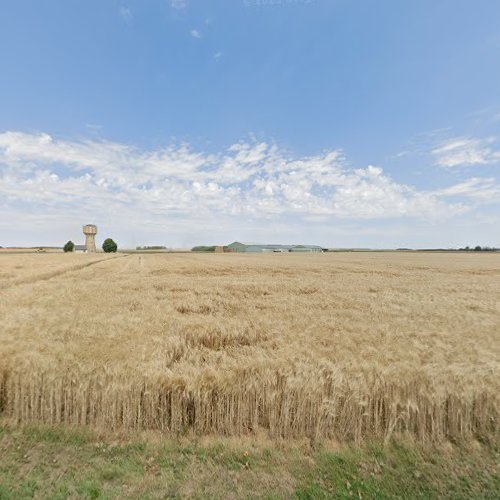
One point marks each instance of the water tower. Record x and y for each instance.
(90, 231)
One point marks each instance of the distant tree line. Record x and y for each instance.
(479, 249)
(203, 248)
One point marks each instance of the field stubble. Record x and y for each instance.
(343, 346)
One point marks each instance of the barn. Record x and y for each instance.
(257, 248)
(306, 248)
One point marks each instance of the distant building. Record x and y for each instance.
(237, 247)
(90, 230)
(306, 248)
(255, 248)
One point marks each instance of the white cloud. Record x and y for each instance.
(178, 4)
(126, 13)
(195, 33)
(466, 151)
(250, 188)
(481, 188)
(217, 55)
(176, 186)
(93, 127)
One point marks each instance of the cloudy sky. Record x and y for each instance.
(344, 123)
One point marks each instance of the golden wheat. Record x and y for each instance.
(332, 345)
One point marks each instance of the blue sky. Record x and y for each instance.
(177, 122)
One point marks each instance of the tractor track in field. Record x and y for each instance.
(56, 273)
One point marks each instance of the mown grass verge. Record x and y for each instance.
(53, 462)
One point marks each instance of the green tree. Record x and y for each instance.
(109, 245)
(69, 247)
(203, 248)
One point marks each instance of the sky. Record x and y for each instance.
(343, 123)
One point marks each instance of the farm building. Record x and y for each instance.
(80, 248)
(237, 247)
(255, 248)
(306, 248)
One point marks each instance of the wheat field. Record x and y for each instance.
(340, 346)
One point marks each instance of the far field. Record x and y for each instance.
(329, 347)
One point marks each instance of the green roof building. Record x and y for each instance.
(237, 247)
(306, 248)
(254, 248)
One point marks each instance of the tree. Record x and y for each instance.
(69, 247)
(109, 245)
(477, 249)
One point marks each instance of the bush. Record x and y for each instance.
(69, 247)
(203, 248)
(109, 245)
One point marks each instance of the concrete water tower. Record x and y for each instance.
(90, 231)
